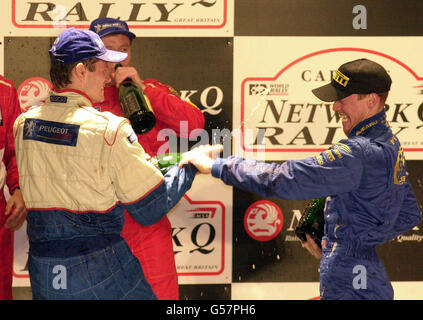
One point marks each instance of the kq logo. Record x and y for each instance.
(263, 220)
(211, 99)
(33, 91)
(198, 232)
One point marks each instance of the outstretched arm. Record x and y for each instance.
(328, 173)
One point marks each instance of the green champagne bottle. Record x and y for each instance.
(162, 162)
(136, 106)
(312, 221)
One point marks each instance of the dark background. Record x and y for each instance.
(183, 63)
(327, 18)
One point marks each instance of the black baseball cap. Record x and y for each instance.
(106, 26)
(360, 76)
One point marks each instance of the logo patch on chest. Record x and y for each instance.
(51, 132)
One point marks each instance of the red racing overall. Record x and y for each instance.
(152, 245)
(9, 107)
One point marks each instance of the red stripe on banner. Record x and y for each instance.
(212, 210)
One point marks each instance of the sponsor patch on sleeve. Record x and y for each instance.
(319, 159)
(51, 132)
(132, 137)
(342, 147)
(337, 151)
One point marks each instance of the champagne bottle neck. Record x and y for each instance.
(128, 81)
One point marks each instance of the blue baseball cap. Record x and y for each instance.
(107, 26)
(74, 45)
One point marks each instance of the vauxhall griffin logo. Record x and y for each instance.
(33, 91)
(263, 220)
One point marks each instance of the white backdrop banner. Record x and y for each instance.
(146, 18)
(279, 117)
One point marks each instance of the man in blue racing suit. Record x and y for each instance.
(369, 199)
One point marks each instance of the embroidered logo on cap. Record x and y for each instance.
(100, 27)
(341, 78)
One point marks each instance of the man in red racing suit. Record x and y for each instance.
(152, 245)
(12, 213)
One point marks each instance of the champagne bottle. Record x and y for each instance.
(162, 162)
(136, 106)
(312, 221)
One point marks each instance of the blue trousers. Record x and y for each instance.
(353, 274)
(111, 273)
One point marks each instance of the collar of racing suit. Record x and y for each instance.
(70, 96)
(378, 121)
